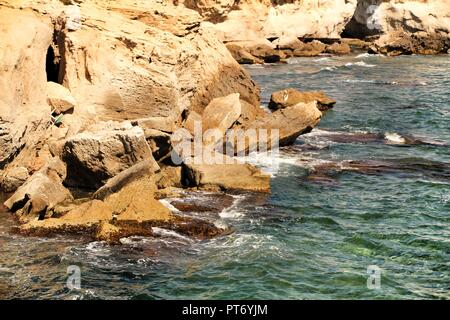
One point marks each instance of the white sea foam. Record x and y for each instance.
(362, 55)
(235, 210)
(328, 68)
(169, 206)
(394, 137)
(360, 64)
(169, 233)
(322, 59)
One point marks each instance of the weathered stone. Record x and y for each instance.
(220, 115)
(191, 120)
(25, 39)
(242, 55)
(237, 176)
(39, 189)
(94, 157)
(310, 49)
(13, 178)
(291, 121)
(289, 97)
(288, 43)
(338, 48)
(59, 98)
(169, 176)
(145, 168)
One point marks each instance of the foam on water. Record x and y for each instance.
(394, 137)
(169, 206)
(169, 233)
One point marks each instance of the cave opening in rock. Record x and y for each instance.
(52, 65)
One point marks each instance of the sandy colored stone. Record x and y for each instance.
(338, 48)
(59, 98)
(94, 157)
(12, 178)
(40, 188)
(236, 176)
(289, 97)
(220, 115)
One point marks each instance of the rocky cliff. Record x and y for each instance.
(415, 20)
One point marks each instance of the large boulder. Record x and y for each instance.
(310, 49)
(338, 48)
(40, 193)
(59, 98)
(242, 55)
(290, 97)
(291, 121)
(94, 157)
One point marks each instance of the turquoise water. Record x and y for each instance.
(326, 221)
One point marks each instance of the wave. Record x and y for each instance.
(169, 206)
(394, 137)
(360, 64)
(169, 233)
(235, 210)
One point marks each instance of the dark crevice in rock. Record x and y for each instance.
(52, 65)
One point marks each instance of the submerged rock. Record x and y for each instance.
(289, 97)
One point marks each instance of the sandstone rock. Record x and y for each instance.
(145, 168)
(290, 97)
(356, 43)
(169, 177)
(136, 202)
(152, 61)
(338, 48)
(191, 120)
(25, 38)
(107, 232)
(266, 52)
(94, 157)
(59, 98)
(399, 42)
(251, 19)
(13, 178)
(291, 121)
(310, 49)
(227, 177)
(405, 27)
(38, 194)
(288, 43)
(242, 56)
(220, 115)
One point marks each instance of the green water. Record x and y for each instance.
(311, 238)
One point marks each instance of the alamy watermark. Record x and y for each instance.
(74, 277)
(374, 279)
